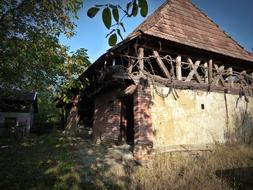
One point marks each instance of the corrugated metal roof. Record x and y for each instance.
(182, 22)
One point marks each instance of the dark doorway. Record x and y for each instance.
(127, 118)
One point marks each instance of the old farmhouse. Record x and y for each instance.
(177, 82)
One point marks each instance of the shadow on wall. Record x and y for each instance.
(243, 126)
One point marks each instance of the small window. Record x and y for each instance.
(202, 106)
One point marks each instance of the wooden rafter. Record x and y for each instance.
(193, 72)
(161, 64)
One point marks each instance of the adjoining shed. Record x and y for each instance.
(17, 111)
(177, 82)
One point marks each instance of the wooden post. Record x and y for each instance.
(178, 68)
(140, 58)
(230, 77)
(210, 71)
(161, 64)
(206, 72)
(130, 66)
(251, 80)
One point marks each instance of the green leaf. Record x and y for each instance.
(112, 39)
(115, 13)
(144, 7)
(107, 17)
(119, 33)
(135, 9)
(122, 25)
(128, 6)
(92, 12)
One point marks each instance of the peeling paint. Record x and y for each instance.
(199, 117)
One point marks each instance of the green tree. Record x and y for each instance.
(73, 67)
(30, 53)
(31, 57)
(67, 80)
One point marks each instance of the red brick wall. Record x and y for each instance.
(142, 121)
(106, 125)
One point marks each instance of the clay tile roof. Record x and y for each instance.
(182, 22)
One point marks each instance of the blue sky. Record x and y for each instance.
(235, 17)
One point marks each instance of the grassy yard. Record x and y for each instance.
(38, 162)
(58, 161)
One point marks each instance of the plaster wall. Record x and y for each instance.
(199, 118)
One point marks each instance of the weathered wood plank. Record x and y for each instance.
(178, 68)
(230, 77)
(130, 66)
(161, 64)
(196, 86)
(193, 72)
(219, 77)
(210, 71)
(206, 72)
(140, 58)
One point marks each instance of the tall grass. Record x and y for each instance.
(206, 170)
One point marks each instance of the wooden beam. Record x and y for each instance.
(193, 72)
(131, 89)
(193, 85)
(219, 77)
(161, 64)
(140, 58)
(230, 77)
(206, 72)
(130, 66)
(210, 71)
(178, 68)
(243, 73)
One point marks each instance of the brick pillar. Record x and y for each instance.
(143, 140)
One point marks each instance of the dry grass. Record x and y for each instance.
(226, 167)
(58, 161)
